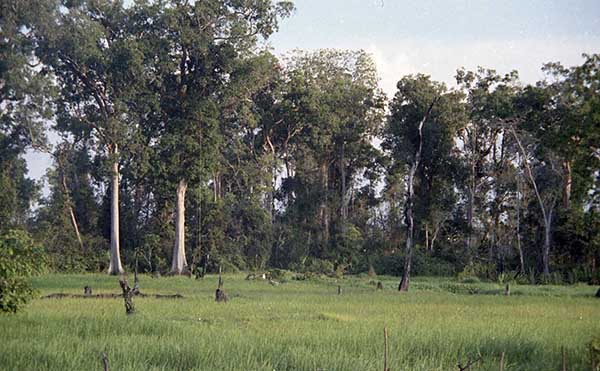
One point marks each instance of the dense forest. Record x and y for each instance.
(180, 143)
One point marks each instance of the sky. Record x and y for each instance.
(435, 37)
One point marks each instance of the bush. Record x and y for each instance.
(422, 265)
(468, 279)
(19, 259)
(320, 266)
(594, 347)
(277, 274)
(482, 271)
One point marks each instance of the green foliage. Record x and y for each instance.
(594, 347)
(422, 265)
(479, 270)
(318, 266)
(279, 153)
(19, 259)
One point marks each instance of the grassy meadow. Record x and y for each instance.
(301, 325)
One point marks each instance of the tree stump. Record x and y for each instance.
(87, 291)
(379, 285)
(220, 295)
(128, 294)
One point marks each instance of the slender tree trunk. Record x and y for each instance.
(75, 227)
(427, 238)
(546, 212)
(410, 225)
(470, 211)
(567, 185)
(198, 252)
(519, 246)
(72, 213)
(115, 266)
(434, 237)
(594, 271)
(547, 243)
(179, 263)
(323, 208)
(404, 283)
(69, 202)
(216, 185)
(344, 206)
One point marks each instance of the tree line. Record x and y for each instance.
(184, 142)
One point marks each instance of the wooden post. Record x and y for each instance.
(105, 361)
(507, 290)
(385, 349)
(502, 362)
(339, 290)
(564, 360)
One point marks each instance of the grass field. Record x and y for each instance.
(301, 325)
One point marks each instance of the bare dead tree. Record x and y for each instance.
(547, 208)
(220, 295)
(128, 294)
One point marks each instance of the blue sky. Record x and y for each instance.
(436, 37)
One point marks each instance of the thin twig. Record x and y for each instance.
(469, 364)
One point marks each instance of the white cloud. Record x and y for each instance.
(440, 60)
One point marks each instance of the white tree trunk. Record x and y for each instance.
(115, 266)
(179, 264)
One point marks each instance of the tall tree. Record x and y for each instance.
(338, 108)
(423, 119)
(25, 91)
(96, 62)
(197, 45)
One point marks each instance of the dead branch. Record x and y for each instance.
(469, 364)
(105, 361)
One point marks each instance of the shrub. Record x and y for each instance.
(468, 279)
(422, 265)
(277, 274)
(594, 347)
(320, 266)
(482, 271)
(19, 259)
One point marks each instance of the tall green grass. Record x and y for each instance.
(301, 325)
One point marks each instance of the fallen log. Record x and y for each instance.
(109, 296)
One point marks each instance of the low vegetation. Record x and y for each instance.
(302, 325)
